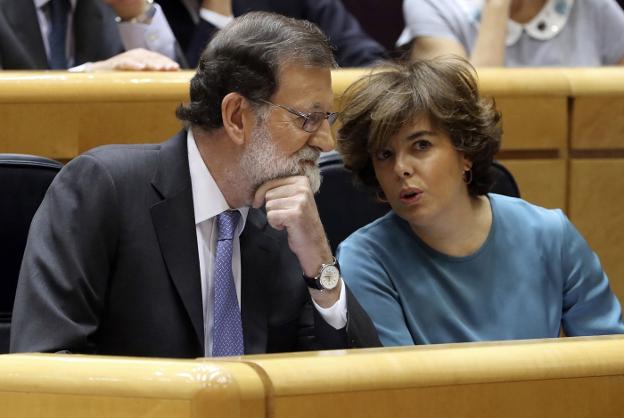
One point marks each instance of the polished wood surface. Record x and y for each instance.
(68, 386)
(579, 377)
(559, 378)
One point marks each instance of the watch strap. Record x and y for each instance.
(315, 282)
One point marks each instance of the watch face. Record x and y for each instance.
(329, 277)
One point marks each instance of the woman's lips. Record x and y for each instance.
(410, 195)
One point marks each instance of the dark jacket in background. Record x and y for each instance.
(353, 47)
(21, 44)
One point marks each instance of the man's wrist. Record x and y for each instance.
(142, 16)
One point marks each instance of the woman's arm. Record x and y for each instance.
(368, 280)
(589, 305)
(489, 47)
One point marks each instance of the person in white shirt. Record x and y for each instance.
(83, 35)
(516, 33)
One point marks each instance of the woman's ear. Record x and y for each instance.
(235, 112)
(467, 164)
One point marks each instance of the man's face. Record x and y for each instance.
(263, 161)
(279, 147)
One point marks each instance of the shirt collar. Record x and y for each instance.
(545, 25)
(41, 3)
(208, 201)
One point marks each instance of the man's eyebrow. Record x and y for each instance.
(316, 107)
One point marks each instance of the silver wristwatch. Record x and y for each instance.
(327, 279)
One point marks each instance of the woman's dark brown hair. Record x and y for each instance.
(375, 108)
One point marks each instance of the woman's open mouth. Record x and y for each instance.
(410, 195)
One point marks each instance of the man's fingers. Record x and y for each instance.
(260, 195)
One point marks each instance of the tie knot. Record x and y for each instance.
(226, 222)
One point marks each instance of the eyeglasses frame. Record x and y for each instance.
(329, 116)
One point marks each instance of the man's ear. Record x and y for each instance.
(236, 114)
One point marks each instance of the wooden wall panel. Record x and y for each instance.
(541, 181)
(598, 123)
(597, 210)
(534, 123)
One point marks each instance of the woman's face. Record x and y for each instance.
(420, 172)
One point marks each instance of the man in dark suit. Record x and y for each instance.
(353, 47)
(126, 253)
(94, 36)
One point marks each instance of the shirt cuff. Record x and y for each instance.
(217, 19)
(156, 36)
(82, 68)
(335, 315)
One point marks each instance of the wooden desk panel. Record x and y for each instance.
(126, 123)
(597, 210)
(552, 398)
(77, 386)
(561, 378)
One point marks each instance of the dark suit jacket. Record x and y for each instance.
(21, 46)
(111, 267)
(353, 47)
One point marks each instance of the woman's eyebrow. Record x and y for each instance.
(419, 134)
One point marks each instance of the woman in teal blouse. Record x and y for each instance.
(450, 262)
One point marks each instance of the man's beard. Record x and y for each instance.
(262, 161)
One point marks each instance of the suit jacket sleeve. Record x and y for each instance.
(354, 48)
(63, 280)
(359, 332)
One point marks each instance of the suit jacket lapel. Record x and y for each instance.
(21, 16)
(192, 7)
(174, 222)
(95, 32)
(257, 254)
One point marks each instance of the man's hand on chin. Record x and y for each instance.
(290, 204)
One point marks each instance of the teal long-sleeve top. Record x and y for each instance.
(534, 275)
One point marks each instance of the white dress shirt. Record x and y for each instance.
(216, 19)
(208, 202)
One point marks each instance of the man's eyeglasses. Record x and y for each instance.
(311, 121)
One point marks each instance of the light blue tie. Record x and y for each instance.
(228, 329)
(58, 34)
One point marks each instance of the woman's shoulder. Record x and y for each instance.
(514, 212)
(377, 233)
(378, 228)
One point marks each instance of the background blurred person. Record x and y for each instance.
(85, 35)
(451, 262)
(516, 33)
(194, 22)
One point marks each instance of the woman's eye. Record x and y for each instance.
(422, 144)
(384, 154)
